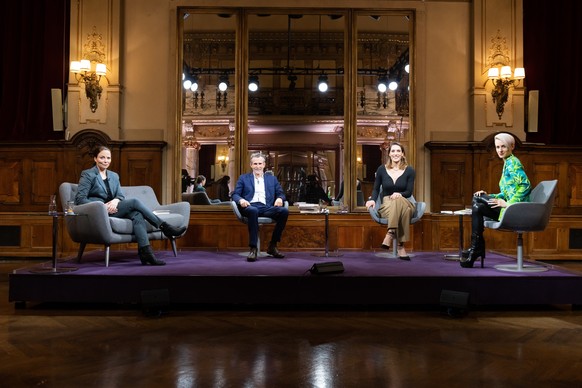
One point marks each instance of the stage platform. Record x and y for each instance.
(226, 278)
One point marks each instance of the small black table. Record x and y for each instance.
(460, 213)
(326, 253)
(54, 269)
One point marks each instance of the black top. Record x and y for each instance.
(403, 185)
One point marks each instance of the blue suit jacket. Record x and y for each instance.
(245, 188)
(92, 187)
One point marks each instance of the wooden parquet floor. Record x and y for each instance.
(120, 346)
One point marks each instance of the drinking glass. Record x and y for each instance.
(52, 210)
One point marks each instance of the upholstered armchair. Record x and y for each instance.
(92, 224)
(419, 208)
(521, 217)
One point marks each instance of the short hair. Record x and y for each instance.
(257, 155)
(506, 139)
(200, 178)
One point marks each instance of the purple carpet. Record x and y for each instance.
(203, 277)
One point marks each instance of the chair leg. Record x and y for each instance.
(107, 255)
(519, 266)
(519, 251)
(81, 250)
(174, 249)
(395, 244)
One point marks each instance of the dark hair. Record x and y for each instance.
(200, 179)
(98, 149)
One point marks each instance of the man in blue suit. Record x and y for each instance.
(260, 195)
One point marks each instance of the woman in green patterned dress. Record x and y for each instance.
(515, 187)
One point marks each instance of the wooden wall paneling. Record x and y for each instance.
(574, 192)
(450, 179)
(44, 181)
(10, 181)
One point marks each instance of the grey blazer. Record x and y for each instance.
(92, 187)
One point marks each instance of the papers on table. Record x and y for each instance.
(462, 212)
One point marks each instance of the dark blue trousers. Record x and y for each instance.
(278, 213)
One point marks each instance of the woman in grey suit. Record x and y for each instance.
(100, 184)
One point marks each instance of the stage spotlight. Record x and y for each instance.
(194, 86)
(292, 81)
(253, 83)
(322, 83)
(382, 84)
(223, 83)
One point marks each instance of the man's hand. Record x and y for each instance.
(278, 202)
(244, 203)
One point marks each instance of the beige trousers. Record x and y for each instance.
(398, 212)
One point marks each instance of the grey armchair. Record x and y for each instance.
(92, 225)
(419, 209)
(527, 217)
(201, 198)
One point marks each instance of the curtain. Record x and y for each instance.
(34, 46)
(552, 61)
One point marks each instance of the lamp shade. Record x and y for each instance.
(101, 69)
(493, 73)
(519, 73)
(85, 65)
(75, 67)
(506, 72)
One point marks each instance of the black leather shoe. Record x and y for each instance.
(252, 255)
(146, 256)
(273, 251)
(171, 231)
(384, 246)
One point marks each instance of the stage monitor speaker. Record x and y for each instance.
(532, 110)
(456, 299)
(155, 302)
(57, 105)
(327, 268)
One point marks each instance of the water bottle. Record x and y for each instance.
(52, 210)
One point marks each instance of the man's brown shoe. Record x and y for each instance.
(273, 251)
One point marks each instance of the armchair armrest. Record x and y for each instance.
(91, 224)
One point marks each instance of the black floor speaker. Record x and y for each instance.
(327, 268)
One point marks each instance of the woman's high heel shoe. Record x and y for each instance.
(388, 240)
(476, 251)
(402, 253)
(470, 256)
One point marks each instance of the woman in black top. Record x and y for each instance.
(396, 180)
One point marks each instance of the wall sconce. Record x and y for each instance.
(83, 73)
(223, 160)
(502, 80)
